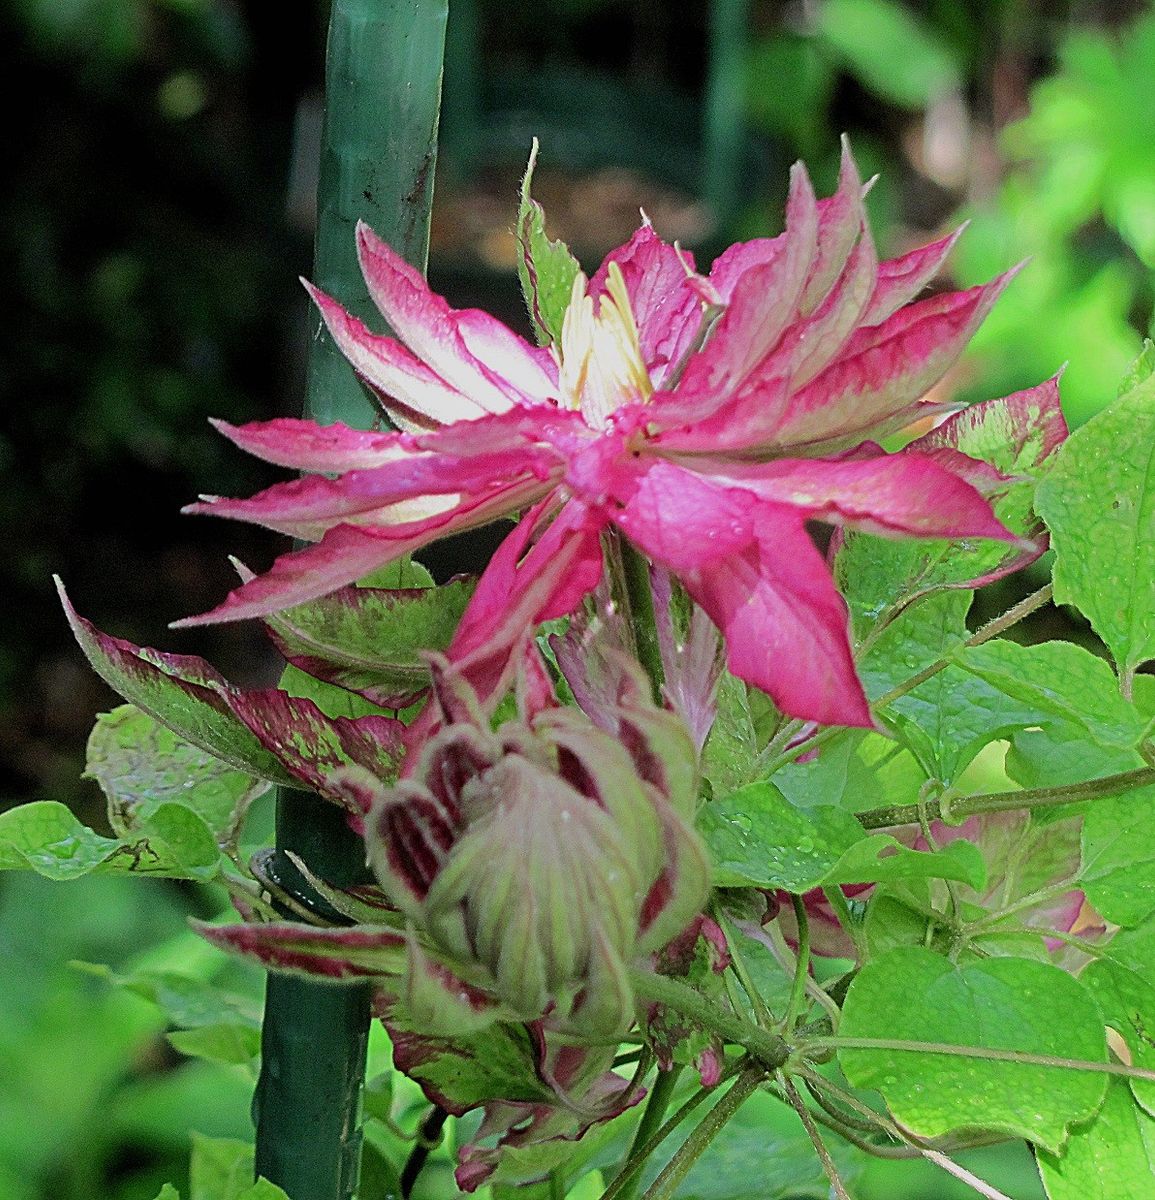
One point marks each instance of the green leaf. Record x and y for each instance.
(1111, 1157)
(229, 1043)
(546, 268)
(404, 572)
(1060, 682)
(168, 1192)
(757, 838)
(1141, 369)
(462, 1072)
(44, 836)
(369, 640)
(731, 750)
(890, 50)
(141, 764)
(181, 691)
(913, 994)
(185, 1000)
(1127, 999)
(949, 718)
(220, 1168)
(1099, 503)
(1119, 856)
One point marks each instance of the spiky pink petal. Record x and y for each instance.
(662, 297)
(906, 493)
(784, 623)
(885, 369)
(768, 282)
(450, 342)
(347, 553)
(307, 446)
(395, 372)
(901, 279)
(841, 219)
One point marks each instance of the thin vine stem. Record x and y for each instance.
(957, 809)
(769, 1049)
(656, 1104)
(801, 967)
(712, 1124)
(838, 1042)
(807, 1119)
(634, 1165)
(762, 1014)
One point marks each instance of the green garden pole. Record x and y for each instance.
(379, 149)
(725, 104)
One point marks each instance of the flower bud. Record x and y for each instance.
(540, 859)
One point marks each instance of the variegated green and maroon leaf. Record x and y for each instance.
(181, 691)
(350, 760)
(364, 952)
(369, 640)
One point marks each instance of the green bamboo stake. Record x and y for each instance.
(725, 104)
(379, 149)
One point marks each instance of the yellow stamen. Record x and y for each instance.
(600, 360)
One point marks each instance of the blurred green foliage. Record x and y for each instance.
(151, 284)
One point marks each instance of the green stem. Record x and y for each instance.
(379, 145)
(640, 598)
(762, 1014)
(957, 810)
(713, 1123)
(801, 967)
(659, 1100)
(634, 1165)
(836, 898)
(984, 1052)
(804, 1115)
(769, 1049)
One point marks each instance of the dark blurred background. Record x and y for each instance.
(156, 212)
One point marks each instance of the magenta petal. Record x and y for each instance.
(764, 298)
(394, 371)
(348, 552)
(903, 493)
(307, 446)
(440, 336)
(306, 507)
(901, 279)
(885, 369)
(841, 219)
(786, 627)
(663, 300)
(516, 593)
(684, 520)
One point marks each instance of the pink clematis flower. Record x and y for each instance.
(706, 418)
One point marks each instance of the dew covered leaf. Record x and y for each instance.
(946, 720)
(141, 764)
(757, 838)
(1118, 872)
(1009, 1004)
(172, 842)
(1111, 1157)
(1127, 999)
(1099, 504)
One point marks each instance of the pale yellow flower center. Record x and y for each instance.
(600, 365)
